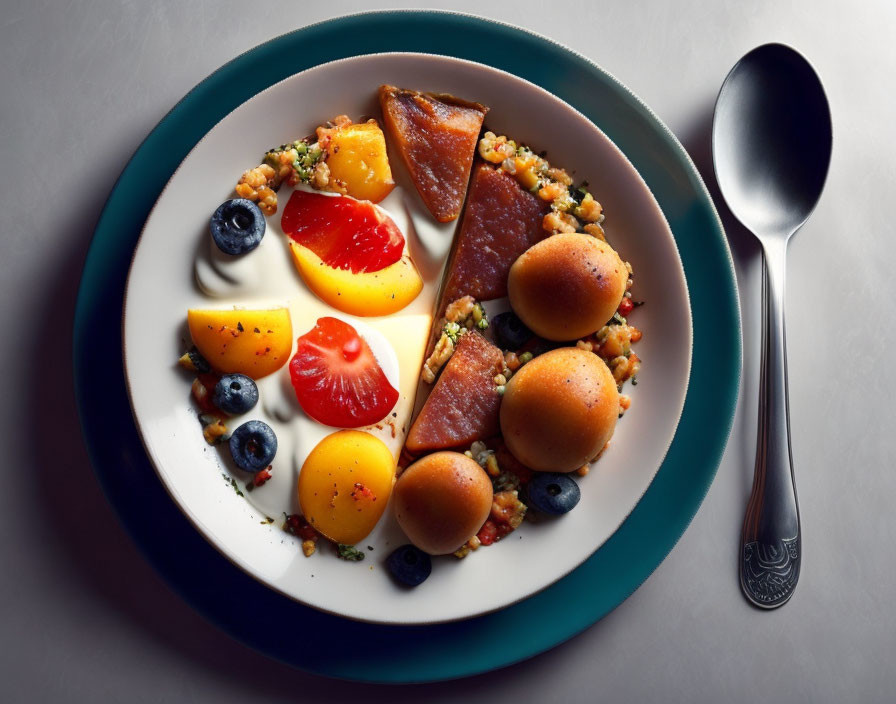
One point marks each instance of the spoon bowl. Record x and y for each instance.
(772, 139)
(771, 144)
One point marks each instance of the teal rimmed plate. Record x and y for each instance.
(346, 648)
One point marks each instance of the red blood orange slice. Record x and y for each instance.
(344, 232)
(337, 379)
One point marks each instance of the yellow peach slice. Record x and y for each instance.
(251, 342)
(345, 483)
(366, 294)
(356, 156)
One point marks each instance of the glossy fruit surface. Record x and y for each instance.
(356, 156)
(511, 333)
(567, 286)
(553, 493)
(381, 292)
(409, 565)
(235, 394)
(253, 446)
(251, 342)
(237, 226)
(345, 483)
(441, 501)
(344, 232)
(337, 379)
(559, 410)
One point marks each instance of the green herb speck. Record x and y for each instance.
(233, 483)
(349, 553)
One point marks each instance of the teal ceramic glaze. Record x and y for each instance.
(368, 652)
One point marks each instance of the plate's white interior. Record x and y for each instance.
(162, 286)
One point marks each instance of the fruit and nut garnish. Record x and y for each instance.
(478, 411)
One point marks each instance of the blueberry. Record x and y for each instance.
(409, 565)
(235, 394)
(553, 493)
(510, 332)
(237, 226)
(253, 446)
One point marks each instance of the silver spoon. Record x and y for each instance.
(771, 144)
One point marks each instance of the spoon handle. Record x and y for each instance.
(771, 549)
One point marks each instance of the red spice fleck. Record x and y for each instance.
(488, 534)
(204, 396)
(261, 477)
(298, 526)
(362, 492)
(504, 529)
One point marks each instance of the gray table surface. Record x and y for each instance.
(84, 618)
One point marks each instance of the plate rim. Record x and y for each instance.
(213, 538)
(507, 34)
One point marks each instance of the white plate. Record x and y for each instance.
(161, 286)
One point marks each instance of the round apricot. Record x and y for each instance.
(567, 286)
(345, 483)
(442, 500)
(559, 410)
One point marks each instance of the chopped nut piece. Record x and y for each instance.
(440, 355)
(557, 223)
(200, 393)
(320, 175)
(506, 481)
(465, 549)
(257, 185)
(508, 509)
(552, 191)
(478, 448)
(619, 367)
(589, 209)
(559, 175)
(460, 309)
(214, 432)
(496, 149)
(325, 132)
(512, 361)
(592, 228)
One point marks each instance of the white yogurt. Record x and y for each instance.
(266, 277)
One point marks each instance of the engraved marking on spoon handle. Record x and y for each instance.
(771, 549)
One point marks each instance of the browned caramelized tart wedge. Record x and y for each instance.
(501, 221)
(436, 137)
(464, 404)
